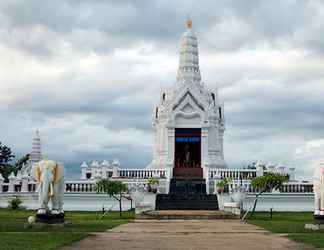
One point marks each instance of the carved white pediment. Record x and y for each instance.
(188, 103)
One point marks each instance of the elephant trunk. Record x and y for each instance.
(39, 188)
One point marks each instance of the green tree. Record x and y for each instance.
(251, 165)
(266, 183)
(5, 154)
(115, 189)
(23, 160)
(5, 158)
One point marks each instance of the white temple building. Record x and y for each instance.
(189, 120)
(96, 170)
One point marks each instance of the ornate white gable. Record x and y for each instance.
(188, 99)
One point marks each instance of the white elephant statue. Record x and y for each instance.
(51, 186)
(318, 187)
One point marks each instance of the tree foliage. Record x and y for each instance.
(23, 160)
(266, 183)
(153, 181)
(5, 158)
(115, 189)
(5, 155)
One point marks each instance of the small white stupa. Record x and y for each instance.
(36, 154)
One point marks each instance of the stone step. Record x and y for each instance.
(187, 206)
(187, 215)
(194, 197)
(186, 202)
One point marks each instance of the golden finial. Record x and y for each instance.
(189, 23)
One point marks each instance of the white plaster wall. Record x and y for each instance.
(94, 202)
(72, 201)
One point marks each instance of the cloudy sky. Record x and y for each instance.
(87, 74)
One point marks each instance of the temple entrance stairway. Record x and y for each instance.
(187, 194)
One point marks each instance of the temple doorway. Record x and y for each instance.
(187, 153)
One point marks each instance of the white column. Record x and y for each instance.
(1, 182)
(115, 172)
(292, 174)
(259, 171)
(24, 183)
(83, 173)
(12, 181)
(221, 142)
(170, 159)
(204, 147)
(204, 156)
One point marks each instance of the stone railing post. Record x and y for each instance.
(1, 182)
(115, 172)
(24, 183)
(12, 181)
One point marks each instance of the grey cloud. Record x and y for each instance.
(224, 25)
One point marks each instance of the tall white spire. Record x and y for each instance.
(189, 59)
(36, 154)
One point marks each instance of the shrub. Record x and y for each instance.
(115, 189)
(222, 185)
(152, 185)
(14, 203)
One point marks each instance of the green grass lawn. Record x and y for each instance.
(14, 234)
(291, 224)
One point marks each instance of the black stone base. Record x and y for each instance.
(187, 194)
(186, 187)
(50, 218)
(319, 219)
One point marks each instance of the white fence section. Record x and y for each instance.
(243, 177)
(130, 176)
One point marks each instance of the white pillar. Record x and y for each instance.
(104, 173)
(83, 173)
(204, 147)
(259, 168)
(115, 172)
(204, 156)
(206, 175)
(12, 181)
(1, 182)
(170, 156)
(292, 174)
(24, 183)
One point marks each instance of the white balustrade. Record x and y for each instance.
(234, 174)
(142, 173)
(132, 177)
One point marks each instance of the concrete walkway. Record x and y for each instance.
(186, 235)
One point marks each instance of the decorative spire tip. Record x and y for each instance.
(189, 23)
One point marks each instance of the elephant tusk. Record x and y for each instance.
(51, 190)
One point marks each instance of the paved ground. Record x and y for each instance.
(186, 235)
